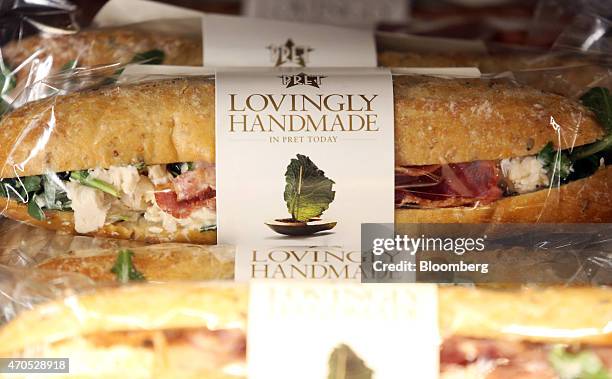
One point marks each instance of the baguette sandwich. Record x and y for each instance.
(137, 161)
(156, 263)
(93, 47)
(195, 330)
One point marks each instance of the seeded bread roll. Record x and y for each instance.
(101, 47)
(160, 262)
(172, 120)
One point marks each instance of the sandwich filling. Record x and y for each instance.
(194, 349)
(483, 182)
(466, 358)
(182, 196)
(164, 197)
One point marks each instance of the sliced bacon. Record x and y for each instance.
(192, 184)
(168, 201)
(451, 185)
(189, 191)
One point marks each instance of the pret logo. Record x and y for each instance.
(288, 53)
(302, 79)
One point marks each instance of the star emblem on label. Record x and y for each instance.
(289, 52)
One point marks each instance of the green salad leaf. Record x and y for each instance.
(86, 180)
(308, 192)
(54, 196)
(39, 192)
(581, 365)
(208, 228)
(599, 101)
(557, 163)
(34, 209)
(583, 160)
(124, 268)
(68, 66)
(177, 169)
(7, 83)
(344, 363)
(154, 56)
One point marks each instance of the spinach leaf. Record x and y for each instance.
(177, 169)
(31, 183)
(594, 148)
(34, 209)
(599, 101)
(39, 192)
(54, 196)
(124, 268)
(308, 192)
(557, 163)
(582, 365)
(154, 56)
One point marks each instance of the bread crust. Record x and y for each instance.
(464, 120)
(168, 121)
(542, 315)
(163, 262)
(584, 200)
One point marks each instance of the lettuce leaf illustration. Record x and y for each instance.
(345, 364)
(308, 192)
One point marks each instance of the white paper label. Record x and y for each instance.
(249, 42)
(295, 328)
(122, 12)
(334, 12)
(303, 157)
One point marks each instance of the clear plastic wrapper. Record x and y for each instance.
(22, 288)
(200, 330)
(532, 157)
(19, 19)
(22, 245)
(108, 260)
(31, 58)
(179, 42)
(167, 330)
(587, 34)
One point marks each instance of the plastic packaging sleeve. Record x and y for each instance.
(489, 332)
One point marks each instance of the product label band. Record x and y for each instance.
(304, 156)
(372, 331)
(231, 41)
